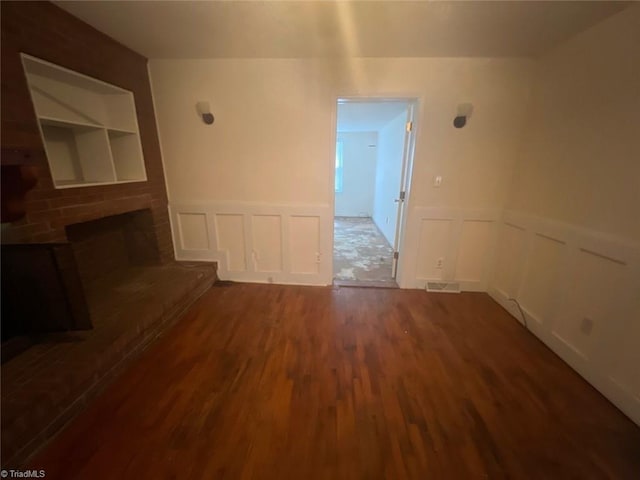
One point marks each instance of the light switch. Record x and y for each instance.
(437, 180)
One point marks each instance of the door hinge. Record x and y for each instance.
(409, 126)
(396, 255)
(402, 196)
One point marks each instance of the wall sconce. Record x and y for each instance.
(204, 110)
(463, 113)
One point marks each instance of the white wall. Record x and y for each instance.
(359, 174)
(273, 141)
(258, 184)
(579, 161)
(388, 176)
(570, 238)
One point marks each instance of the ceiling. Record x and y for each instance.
(367, 116)
(307, 29)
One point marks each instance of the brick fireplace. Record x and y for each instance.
(50, 287)
(44, 31)
(109, 247)
(59, 216)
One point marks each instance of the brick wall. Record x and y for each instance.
(113, 244)
(45, 31)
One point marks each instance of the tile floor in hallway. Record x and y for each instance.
(361, 253)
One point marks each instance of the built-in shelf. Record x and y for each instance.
(61, 122)
(89, 128)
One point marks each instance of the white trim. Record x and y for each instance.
(247, 210)
(339, 160)
(72, 124)
(94, 184)
(574, 241)
(457, 216)
(608, 386)
(416, 101)
(54, 66)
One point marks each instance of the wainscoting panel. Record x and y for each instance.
(257, 242)
(475, 242)
(194, 234)
(593, 279)
(304, 241)
(462, 239)
(580, 293)
(435, 237)
(230, 234)
(512, 244)
(541, 276)
(267, 243)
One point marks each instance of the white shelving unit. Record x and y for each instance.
(89, 128)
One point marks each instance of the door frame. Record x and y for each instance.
(414, 101)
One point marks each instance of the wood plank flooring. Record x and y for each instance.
(286, 382)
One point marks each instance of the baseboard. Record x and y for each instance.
(619, 396)
(465, 285)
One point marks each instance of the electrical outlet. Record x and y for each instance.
(439, 263)
(437, 180)
(586, 327)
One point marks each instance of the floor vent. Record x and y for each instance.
(446, 287)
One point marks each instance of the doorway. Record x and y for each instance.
(374, 149)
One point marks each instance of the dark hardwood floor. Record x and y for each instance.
(284, 382)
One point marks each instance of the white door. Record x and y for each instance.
(405, 175)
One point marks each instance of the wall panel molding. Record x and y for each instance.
(464, 238)
(580, 293)
(256, 242)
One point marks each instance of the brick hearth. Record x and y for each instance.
(46, 385)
